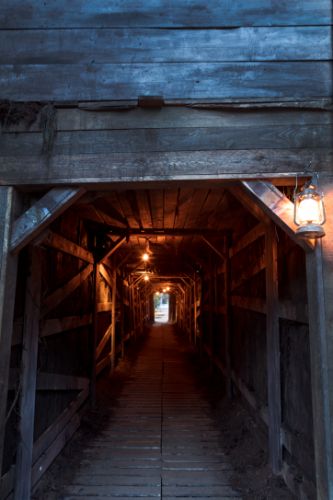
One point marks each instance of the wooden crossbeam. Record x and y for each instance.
(103, 341)
(32, 222)
(58, 325)
(249, 273)
(105, 274)
(247, 239)
(59, 382)
(113, 249)
(56, 297)
(58, 242)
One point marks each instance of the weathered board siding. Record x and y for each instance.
(168, 144)
(180, 49)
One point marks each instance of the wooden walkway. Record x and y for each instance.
(161, 440)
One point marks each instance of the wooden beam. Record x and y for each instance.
(105, 274)
(113, 319)
(56, 297)
(319, 266)
(104, 307)
(60, 243)
(273, 351)
(213, 247)
(32, 222)
(104, 169)
(60, 382)
(278, 208)
(114, 248)
(28, 378)
(247, 239)
(103, 364)
(103, 341)
(249, 273)
(8, 273)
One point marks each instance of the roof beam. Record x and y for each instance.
(277, 207)
(40, 215)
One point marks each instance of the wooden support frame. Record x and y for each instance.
(28, 378)
(273, 351)
(32, 222)
(9, 204)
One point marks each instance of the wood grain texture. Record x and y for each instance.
(8, 274)
(87, 170)
(162, 13)
(104, 46)
(222, 81)
(176, 139)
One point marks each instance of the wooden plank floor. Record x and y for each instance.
(161, 440)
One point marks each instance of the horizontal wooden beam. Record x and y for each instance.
(185, 14)
(136, 168)
(80, 46)
(104, 307)
(32, 222)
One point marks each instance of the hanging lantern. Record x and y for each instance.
(309, 212)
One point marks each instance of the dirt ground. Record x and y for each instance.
(251, 475)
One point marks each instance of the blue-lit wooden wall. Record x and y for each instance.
(181, 49)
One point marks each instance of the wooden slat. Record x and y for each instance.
(241, 115)
(30, 224)
(56, 297)
(286, 136)
(103, 341)
(117, 244)
(184, 165)
(80, 46)
(59, 325)
(103, 363)
(113, 319)
(8, 273)
(185, 13)
(28, 378)
(273, 350)
(104, 307)
(247, 239)
(60, 243)
(104, 273)
(222, 81)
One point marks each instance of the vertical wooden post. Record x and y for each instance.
(8, 273)
(227, 314)
(273, 350)
(113, 314)
(319, 265)
(94, 328)
(28, 378)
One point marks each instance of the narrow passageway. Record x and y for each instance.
(161, 439)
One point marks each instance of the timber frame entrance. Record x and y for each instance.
(68, 175)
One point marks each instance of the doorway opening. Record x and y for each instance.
(161, 306)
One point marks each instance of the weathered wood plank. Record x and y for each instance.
(222, 81)
(56, 297)
(60, 243)
(176, 139)
(103, 364)
(273, 351)
(59, 325)
(319, 265)
(113, 319)
(76, 119)
(32, 222)
(28, 378)
(90, 170)
(104, 273)
(81, 46)
(104, 307)
(259, 266)
(8, 273)
(185, 13)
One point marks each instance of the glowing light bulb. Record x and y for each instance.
(308, 211)
(145, 257)
(146, 277)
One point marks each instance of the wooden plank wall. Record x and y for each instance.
(180, 49)
(283, 386)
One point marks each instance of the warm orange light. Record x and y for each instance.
(145, 257)
(146, 277)
(309, 212)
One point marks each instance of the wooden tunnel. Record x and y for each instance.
(181, 127)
